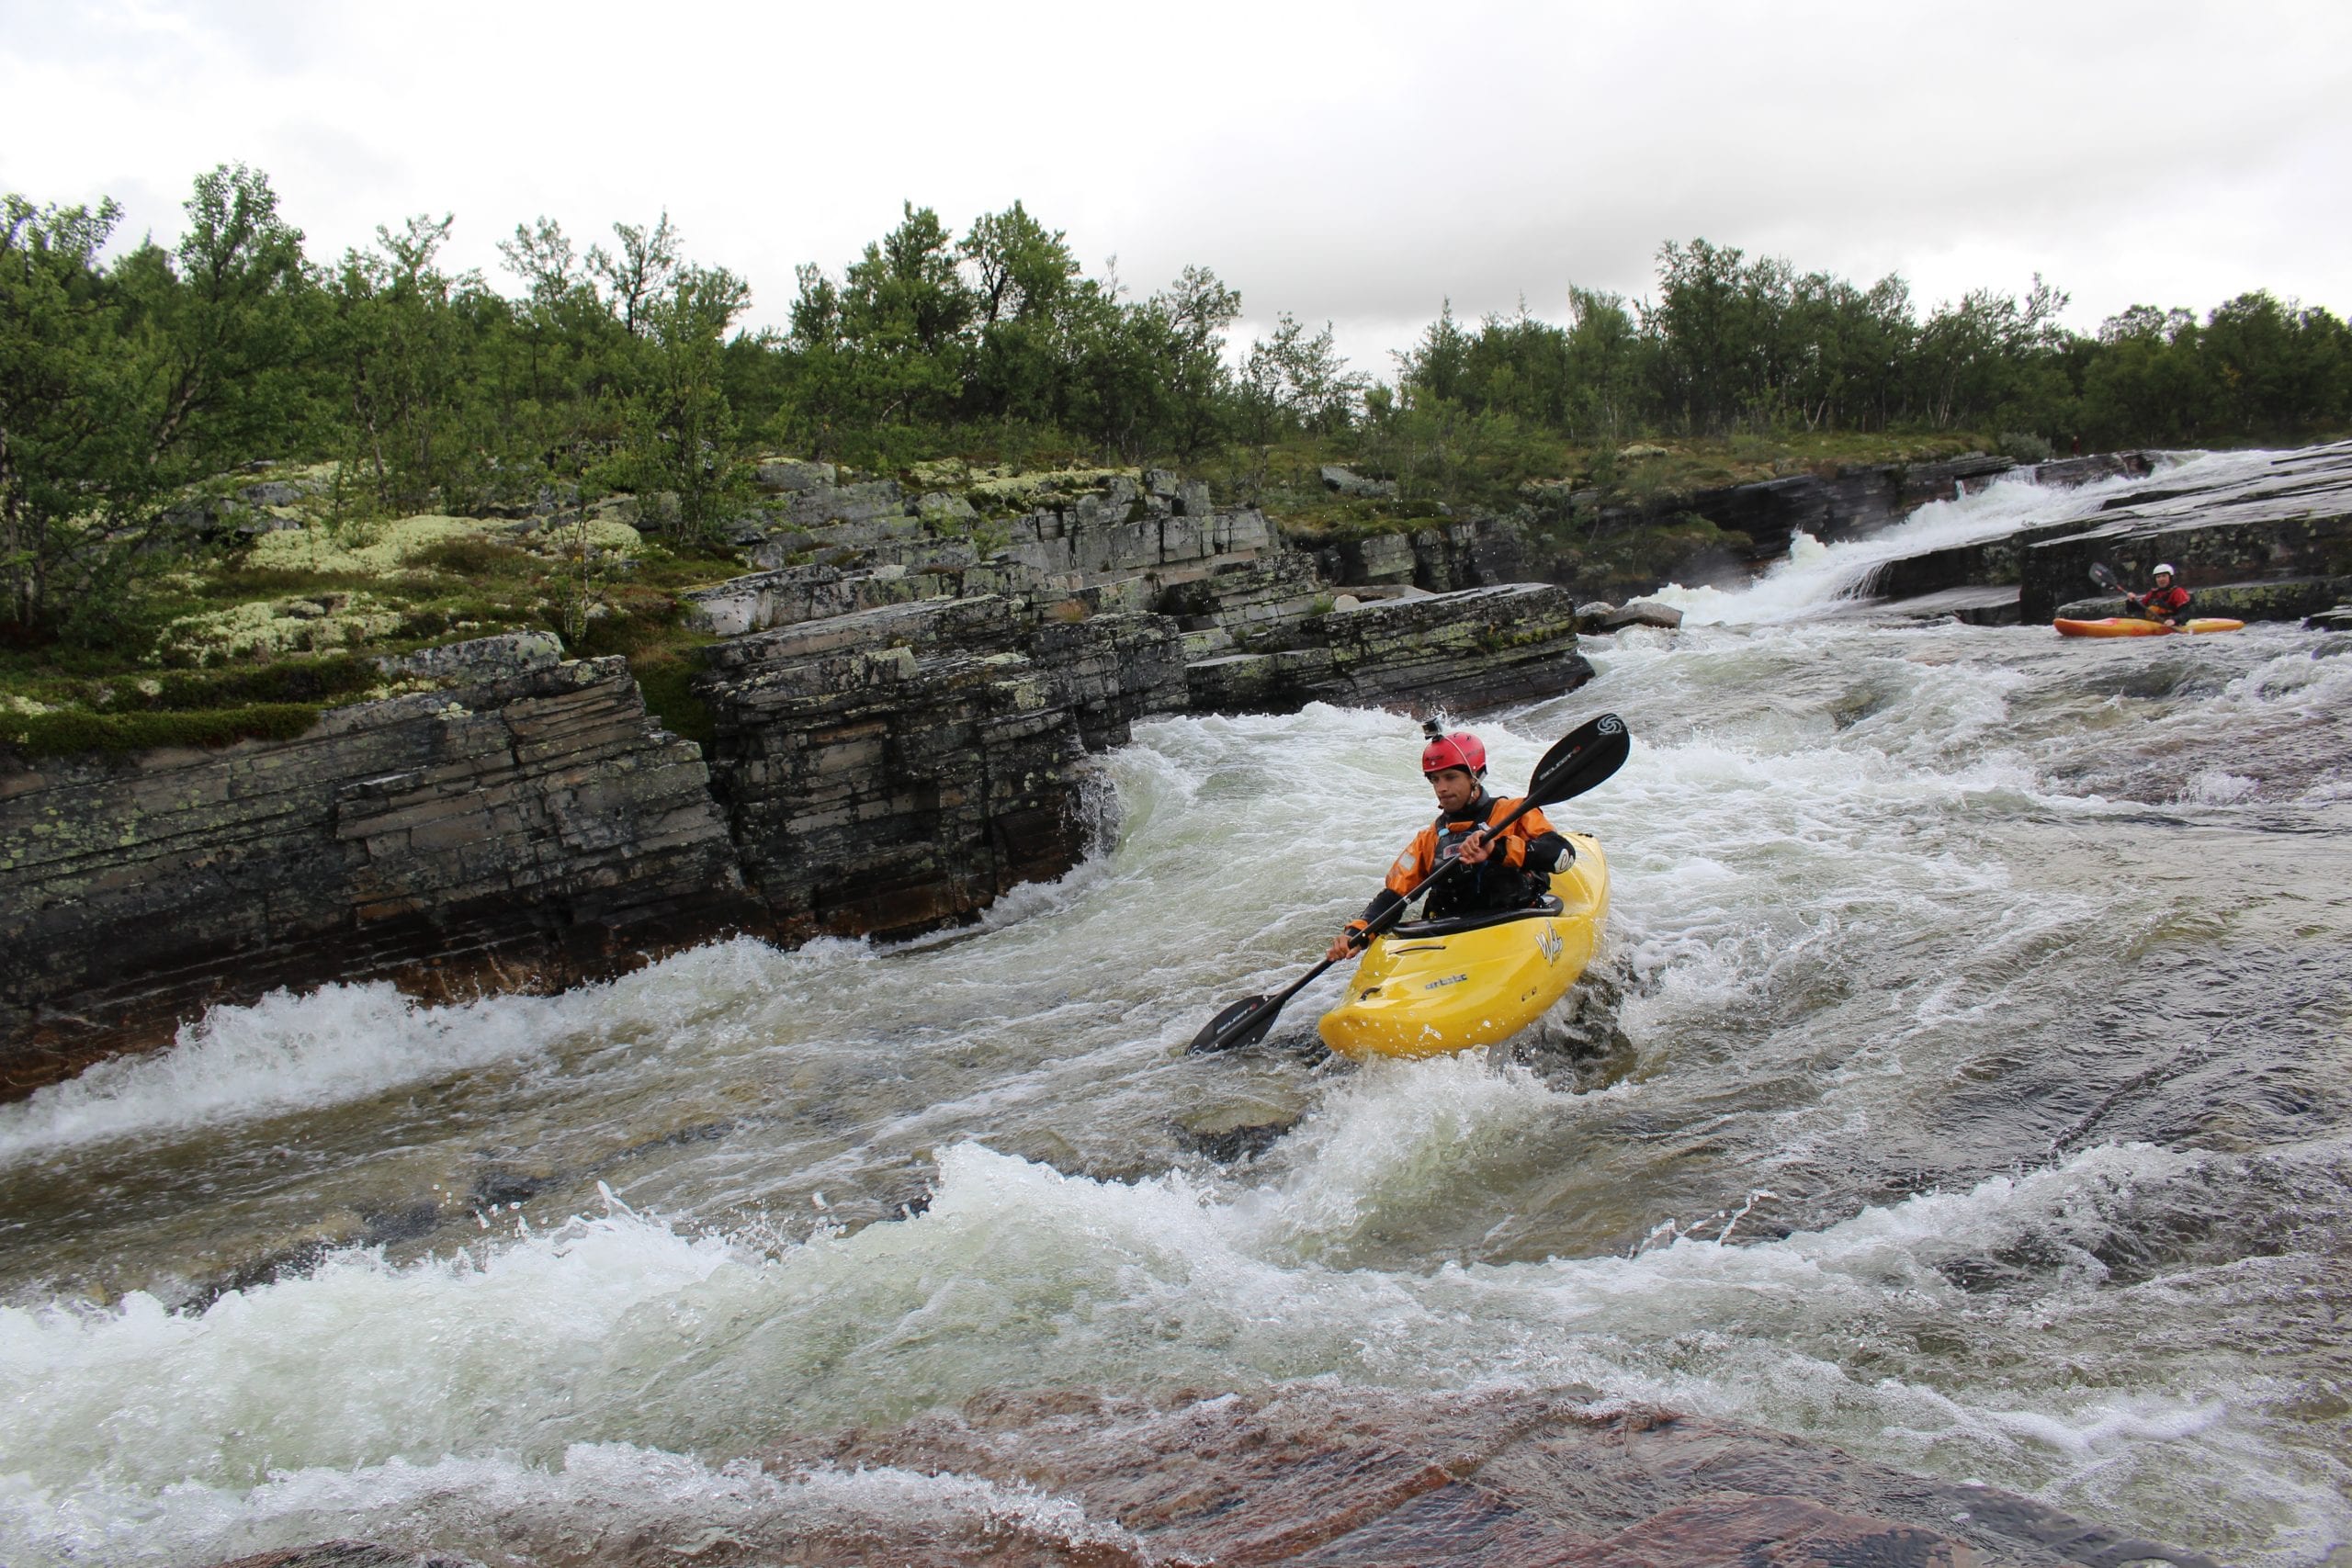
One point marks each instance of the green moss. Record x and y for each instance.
(72, 733)
(665, 675)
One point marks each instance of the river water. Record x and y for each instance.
(1964, 1080)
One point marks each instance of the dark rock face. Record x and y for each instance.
(2296, 597)
(890, 770)
(1254, 604)
(1451, 652)
(2286, 532)
(1575, 540)
(1762, 518)
(2068, 472)
(520, 834)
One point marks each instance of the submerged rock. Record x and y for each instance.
(346, 1554)
(1306, 1474)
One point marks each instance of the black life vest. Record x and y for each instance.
(1479, 889)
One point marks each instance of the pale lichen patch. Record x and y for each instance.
(279, 627)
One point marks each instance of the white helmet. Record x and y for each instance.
(2163, 568)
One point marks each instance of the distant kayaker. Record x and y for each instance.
(1510, 873)
(2166, 602)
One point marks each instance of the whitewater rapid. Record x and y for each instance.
(1961, 1081)
(1816, 576)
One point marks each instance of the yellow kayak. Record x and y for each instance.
(1429, 986)
(2132, 626)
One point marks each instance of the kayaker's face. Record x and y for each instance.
(1456, 787)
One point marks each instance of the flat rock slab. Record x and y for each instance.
(1311, 1474)
(1453, 653)
(1996, 606)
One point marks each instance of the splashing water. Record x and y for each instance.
(1817, 575)
(1961, 1081)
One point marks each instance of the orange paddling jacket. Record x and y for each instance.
(1516, 874)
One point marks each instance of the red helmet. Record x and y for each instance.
(1459, 750)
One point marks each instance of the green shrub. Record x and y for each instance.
(666, 676)
(71, 733)
(472, 556)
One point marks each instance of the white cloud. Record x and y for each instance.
(1354, 163)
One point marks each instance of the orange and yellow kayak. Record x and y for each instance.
(2132, 626)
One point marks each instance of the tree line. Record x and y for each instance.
(1734, 343)
(126, 376)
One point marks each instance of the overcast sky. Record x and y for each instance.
(1356, 162)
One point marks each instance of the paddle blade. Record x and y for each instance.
(1215, 1037)
(1585, 757)
(2104, 575)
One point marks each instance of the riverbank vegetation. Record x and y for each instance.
(166, 412)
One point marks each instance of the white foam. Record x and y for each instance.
(1830, 900)
(362, 1379)
(284, 1053)
(602, 1502)
(1815, 574)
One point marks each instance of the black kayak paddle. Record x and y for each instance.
(1585, 758)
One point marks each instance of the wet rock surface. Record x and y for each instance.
(1723, 536)
(1313, 1475)
(346, 1554)
(1365, 1478)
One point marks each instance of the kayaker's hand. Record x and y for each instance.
(1349, 940)
(1474, 850)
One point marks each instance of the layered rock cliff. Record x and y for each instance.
(901, 708)
(524, 831)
